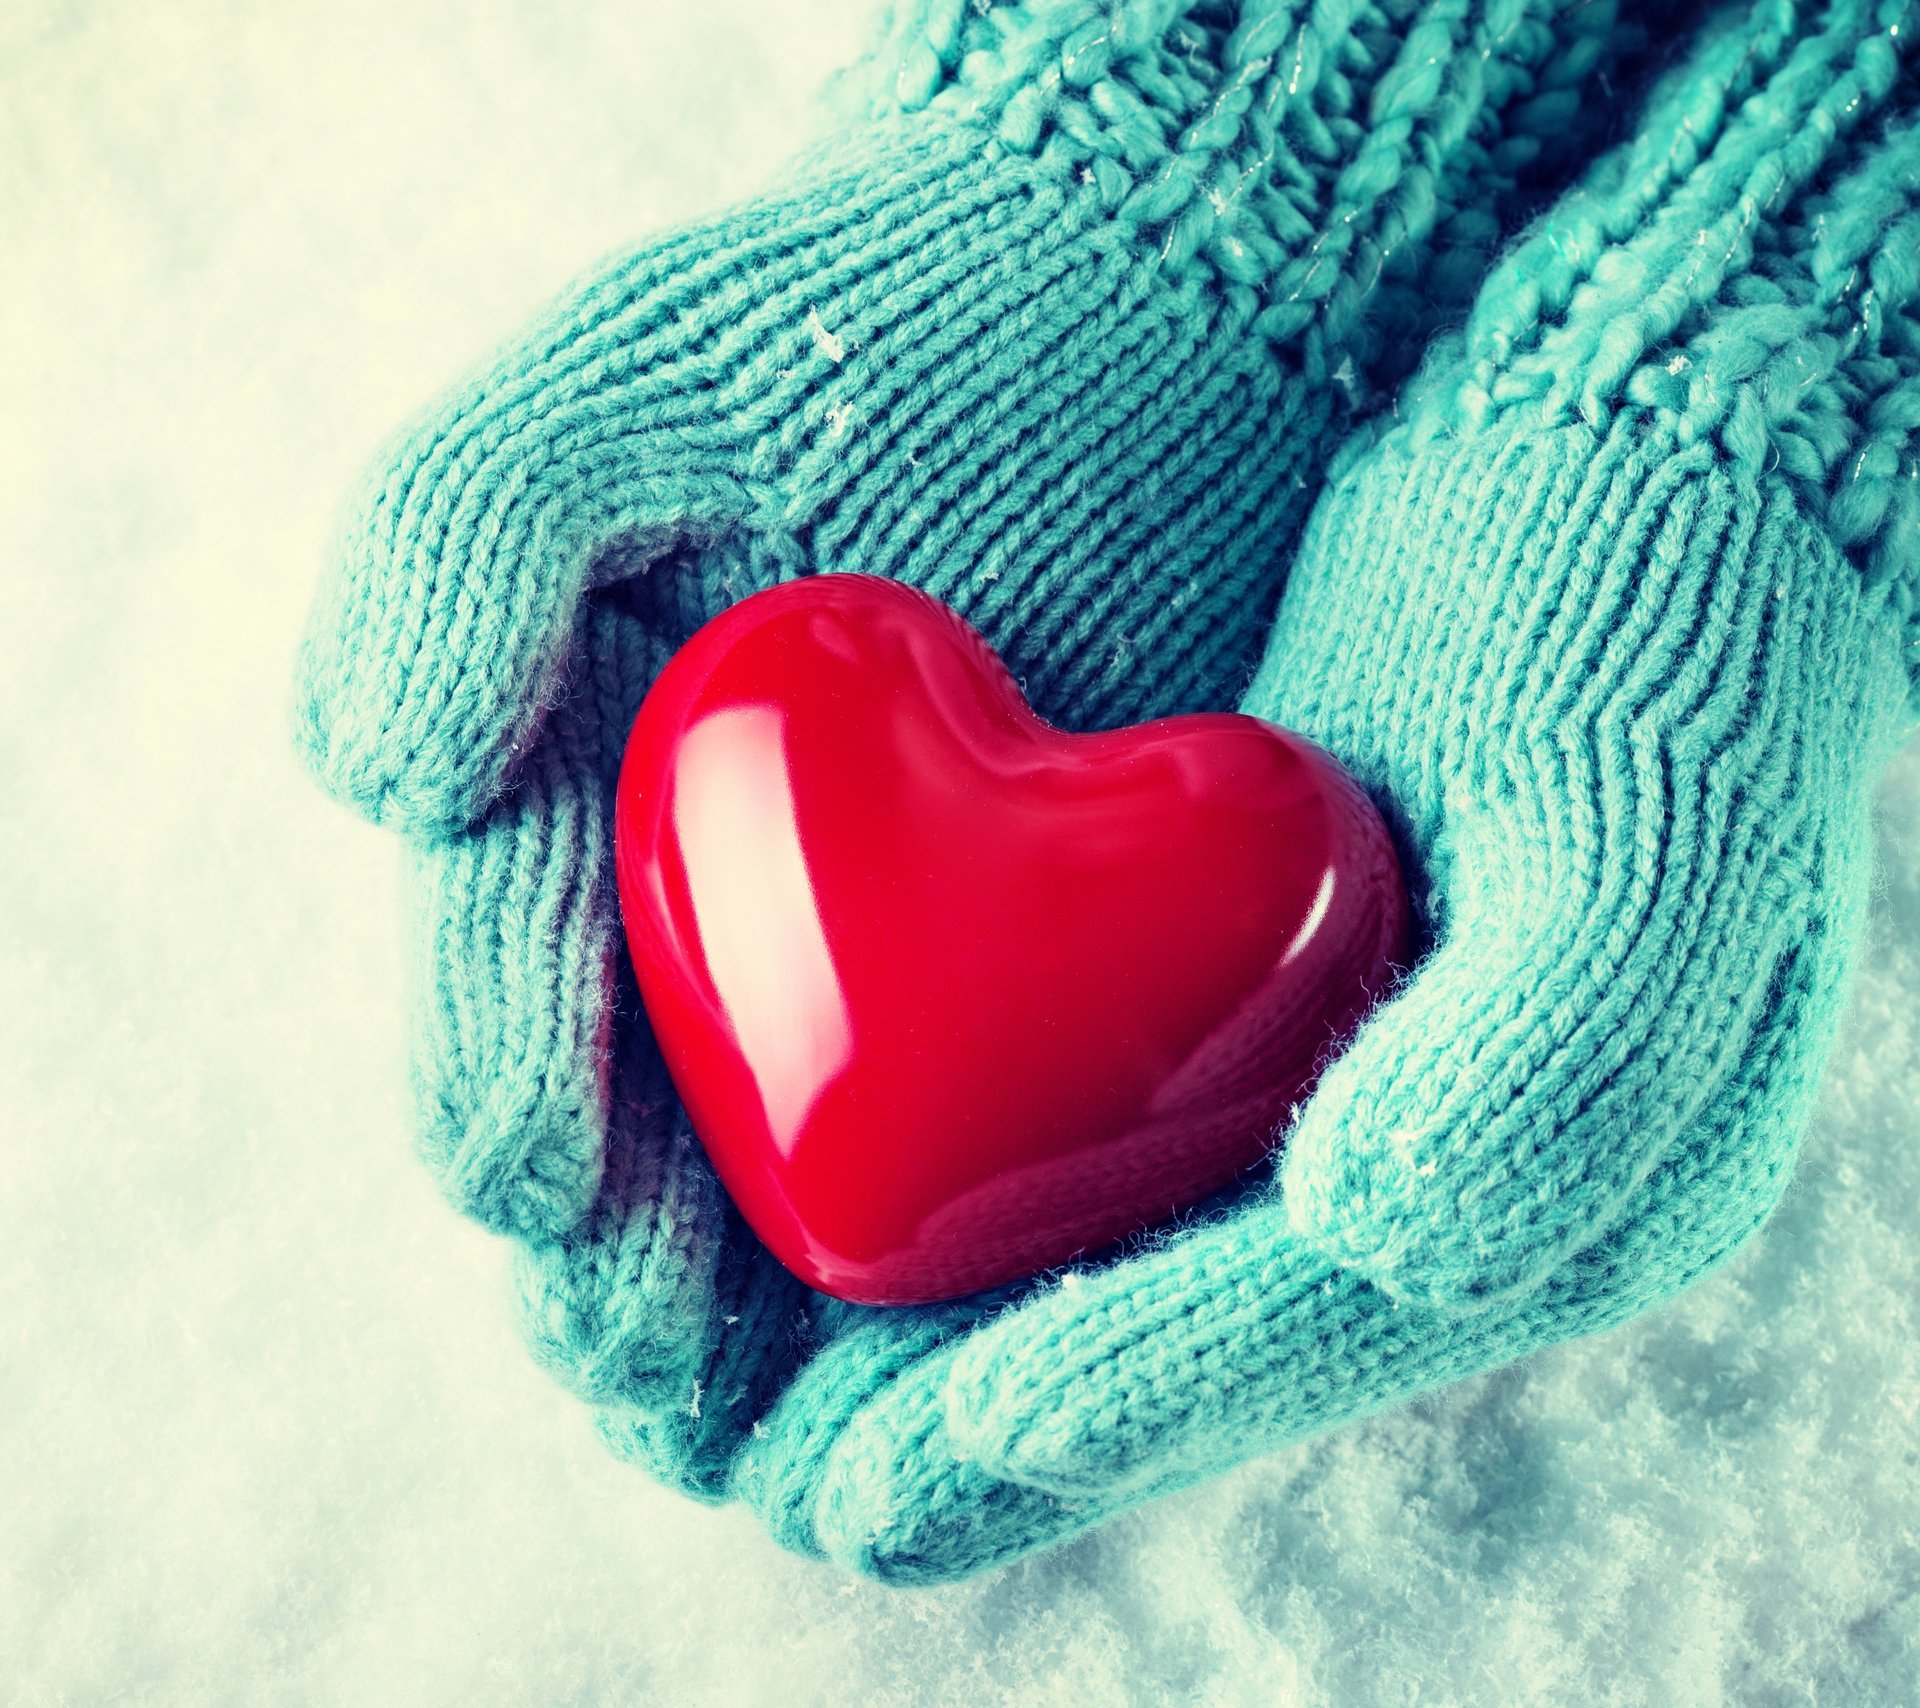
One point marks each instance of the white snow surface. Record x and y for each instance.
(267, 1434)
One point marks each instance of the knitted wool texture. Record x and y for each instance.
(1618, 619)
(1061, 330)
(1061, 327)
(1167, 230)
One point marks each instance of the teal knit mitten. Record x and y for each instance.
(1619, 616)
(1060, 326)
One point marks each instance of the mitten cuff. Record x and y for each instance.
(1747, 275)
(1296, 154)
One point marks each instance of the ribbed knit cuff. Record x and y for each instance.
(1308, 155)
(1746, 272)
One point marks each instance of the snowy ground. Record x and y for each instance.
(266, 1432)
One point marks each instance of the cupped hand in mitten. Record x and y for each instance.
(1058, 331)
(1616, 617)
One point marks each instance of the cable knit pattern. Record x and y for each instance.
(1613, 609)
(1746, 272)
(1288, 148)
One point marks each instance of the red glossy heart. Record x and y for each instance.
(952, 995)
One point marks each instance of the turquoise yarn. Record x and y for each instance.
(1613, 608)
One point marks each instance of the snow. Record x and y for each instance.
(269, 1435)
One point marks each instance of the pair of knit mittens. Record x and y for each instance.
(1518, 397)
